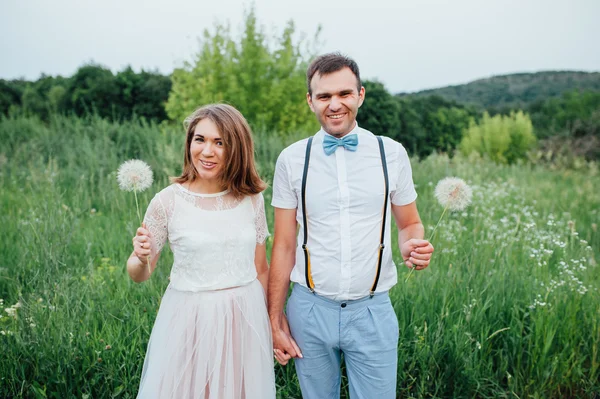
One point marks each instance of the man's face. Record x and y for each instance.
(335, 101)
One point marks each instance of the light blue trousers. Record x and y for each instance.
(365, 331)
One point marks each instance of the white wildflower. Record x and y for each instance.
(134, 175)
(453, 193)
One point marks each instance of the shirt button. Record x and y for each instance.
(343, 305)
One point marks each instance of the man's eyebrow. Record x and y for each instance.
(341, 92)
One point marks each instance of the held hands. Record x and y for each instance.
(142, 244)
(284, 346)
(416, 253)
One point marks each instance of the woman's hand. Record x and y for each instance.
(142, 244)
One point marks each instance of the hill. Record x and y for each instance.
(515, 90)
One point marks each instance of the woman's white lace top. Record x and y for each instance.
(213, 237)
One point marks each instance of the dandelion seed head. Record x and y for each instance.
(134, 175)
(453, 193)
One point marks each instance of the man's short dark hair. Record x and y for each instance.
(330, 63)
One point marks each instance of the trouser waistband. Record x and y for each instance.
(303, 292)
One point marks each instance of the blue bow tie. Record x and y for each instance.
(330, 143)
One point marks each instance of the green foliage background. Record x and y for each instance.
(508, 308)
(263, 75)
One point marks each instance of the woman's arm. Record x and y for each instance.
(262, 265)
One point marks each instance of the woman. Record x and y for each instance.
(212, 337)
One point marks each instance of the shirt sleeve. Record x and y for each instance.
(283, 193)
(405, 192)
(156, 221)
(260, 218)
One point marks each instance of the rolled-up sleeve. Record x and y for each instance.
(405, 192)
(284, 195)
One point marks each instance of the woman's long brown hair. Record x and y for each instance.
(239, 175)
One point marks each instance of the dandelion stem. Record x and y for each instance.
(438, 223)
(412, 269)
(137, 208)
(430, 238)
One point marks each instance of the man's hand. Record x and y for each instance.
(284, 346)
(416, 253)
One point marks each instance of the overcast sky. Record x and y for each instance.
(408, 45)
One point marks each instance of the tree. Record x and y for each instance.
(262, 76)
(574, 114)
(33, 102)
(380, 111)
(432, 123)
(10, 95)
(93, 88)
(152, 96)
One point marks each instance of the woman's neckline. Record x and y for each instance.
(201, 194)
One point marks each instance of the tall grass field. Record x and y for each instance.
(509, 307)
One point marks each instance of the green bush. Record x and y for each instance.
(503, 139)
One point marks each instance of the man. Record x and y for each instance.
(341, 263)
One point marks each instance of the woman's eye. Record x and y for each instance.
(199, 139)
(220, 143)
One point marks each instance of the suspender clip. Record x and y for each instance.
(372, 293)
(381, 246)
(304, 247)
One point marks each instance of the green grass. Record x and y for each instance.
(508, 308)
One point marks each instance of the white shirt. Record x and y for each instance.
(344, 203)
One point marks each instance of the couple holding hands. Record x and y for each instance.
(222, 317)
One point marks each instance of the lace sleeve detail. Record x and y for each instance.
(157, 219)
(260, 218)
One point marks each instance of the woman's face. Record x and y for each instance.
(207, 152)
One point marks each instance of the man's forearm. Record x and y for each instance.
(415, 230)
(282, 262)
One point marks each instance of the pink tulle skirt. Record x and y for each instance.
(210, 345)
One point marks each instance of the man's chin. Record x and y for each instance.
(336, 131)
(339, 129)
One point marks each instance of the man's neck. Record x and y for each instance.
(340, 135)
